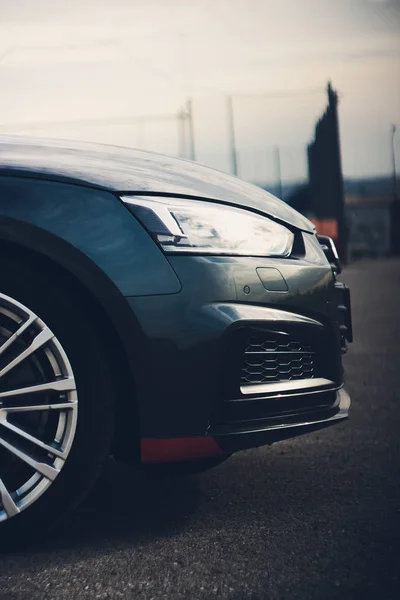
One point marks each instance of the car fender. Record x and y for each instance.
(95, 223)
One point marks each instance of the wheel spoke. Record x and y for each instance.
(33, 407)
(17, 334)
(44, 469)
(44, 336)
(62, 385)
(8, 503)
(31, 438)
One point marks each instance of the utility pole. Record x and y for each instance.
(394, 170)
(189, 115)
(231, 134)
(182, 134)
(395, 205)
(278, 174)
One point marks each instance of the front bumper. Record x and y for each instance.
(219, 443)
(190, 386)
(290, 426)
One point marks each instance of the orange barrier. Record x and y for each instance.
(327, 227)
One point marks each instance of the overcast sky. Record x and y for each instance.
(62, 60)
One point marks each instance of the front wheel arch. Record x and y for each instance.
(103, 312)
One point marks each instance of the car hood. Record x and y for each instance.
(120, 169)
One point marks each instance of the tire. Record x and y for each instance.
(83, 428)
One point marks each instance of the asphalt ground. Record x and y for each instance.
(315, 517)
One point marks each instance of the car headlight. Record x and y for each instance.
(201, 227)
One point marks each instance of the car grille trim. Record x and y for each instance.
(277, 352)
(298, 385)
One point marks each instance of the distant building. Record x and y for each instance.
(368, 222)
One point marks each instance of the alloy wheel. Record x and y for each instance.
(38, 407)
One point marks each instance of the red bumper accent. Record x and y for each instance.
(155, 450)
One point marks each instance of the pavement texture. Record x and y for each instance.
(317, 517)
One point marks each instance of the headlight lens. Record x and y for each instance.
(194, 226)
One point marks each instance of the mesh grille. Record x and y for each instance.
(276, 357)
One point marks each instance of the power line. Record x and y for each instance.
(279, 93)
(93, 121)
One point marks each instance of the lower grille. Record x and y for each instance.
(278, 375)
(275, 356)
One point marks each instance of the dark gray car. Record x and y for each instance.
(156, 310)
